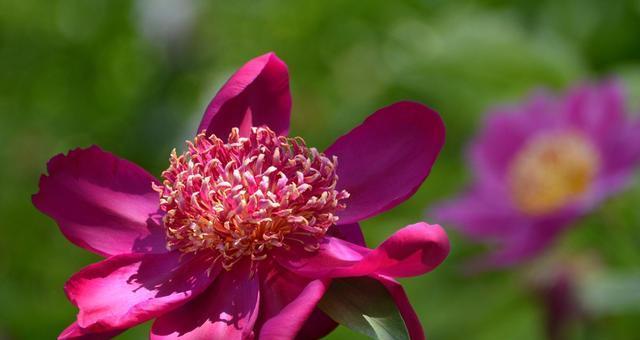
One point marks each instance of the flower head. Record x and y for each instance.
(249, 226)
(551, 170)
(540, 165)
(248, 196)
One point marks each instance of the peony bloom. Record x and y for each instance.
(540, 165)
(248, 227)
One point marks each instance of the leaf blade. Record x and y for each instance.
(364, 305)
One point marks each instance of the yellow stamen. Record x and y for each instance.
(551, 170)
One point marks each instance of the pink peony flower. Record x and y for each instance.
(541, 165)
(247, 229)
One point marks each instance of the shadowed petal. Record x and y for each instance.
(102, 203)
(317, 326)
(256, 95)
(348, 232)
(125, 290)
(412, 250)
(74, 332)
(288, 301)
(227, 310)
(383, 161)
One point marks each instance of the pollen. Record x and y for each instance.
(552, 170)
(245, 197)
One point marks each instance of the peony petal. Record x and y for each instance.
(125, 290)
(101, 202)
(408, 314)
(482, 214)
(506, 130)
(257, 94)
(227, 310)
(620, 153)
(383, 161)
(412, 250)
(487, 217)
(598, 110)
(348, 232)
(517, 247)
(317, 326)
(74, 332)
(288, 301)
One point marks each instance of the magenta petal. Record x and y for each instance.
(256, 95)
(348, 232)
(408, 314)
(506, 130)
(125, 290)
(227, 310)
(101, 202)
(317, 326)
(383, 161)
(74, 332)
(621, 151)
(514, 248)
(412, 250)
(288, 301)
(482, 214)
(598, 110)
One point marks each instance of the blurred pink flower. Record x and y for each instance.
(249, 230)
(540, 165)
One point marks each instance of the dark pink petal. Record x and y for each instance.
(412, 250)
(288, 301)
(348, 232)
(256, 95)
(228, 309)
(406, 311)
(101, 202)
(317, 326)
(74, 332)
(125, 290)
(383, 161)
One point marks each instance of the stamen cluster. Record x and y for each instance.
(551, 170)
(249, 195)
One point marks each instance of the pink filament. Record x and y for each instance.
(249, 195)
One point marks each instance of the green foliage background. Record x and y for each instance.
(118, 74)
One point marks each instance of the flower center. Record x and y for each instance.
(552, 169)
(242, 198)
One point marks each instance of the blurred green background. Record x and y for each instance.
(135, 76)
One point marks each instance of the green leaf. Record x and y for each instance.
(364, 305)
